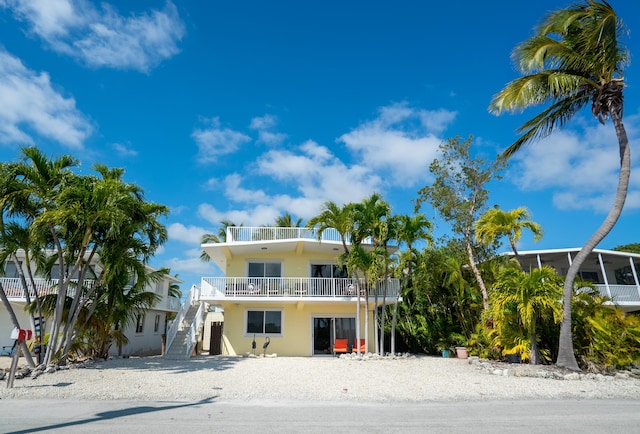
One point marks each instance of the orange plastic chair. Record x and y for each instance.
(363, 346)
(340, 346)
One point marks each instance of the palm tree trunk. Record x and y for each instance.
(478, 276)
(533, 357)
(566, 355)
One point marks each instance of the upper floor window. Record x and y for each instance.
(10, 269)
(264, 269)
(328, 270)
(624, 275)
(90, 275)
(591, 276)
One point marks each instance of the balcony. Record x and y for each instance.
(293, 288)
(622, 295)
(14, 291)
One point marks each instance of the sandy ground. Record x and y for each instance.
(410, 379)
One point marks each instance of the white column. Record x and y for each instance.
(539, 261)
(635, 275)
(604, 275)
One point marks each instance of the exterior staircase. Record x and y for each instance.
(183, 335)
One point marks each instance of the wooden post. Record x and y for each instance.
(14, 364)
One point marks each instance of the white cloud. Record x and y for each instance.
(102, 37)
(263, 122)
(400, 142)
(30, 104)
(124, 150)
(215, 141)
(185, 234)
(395, 149)
(264, 125)
(190, 264)
(582, 166)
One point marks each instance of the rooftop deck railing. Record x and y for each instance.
(297, 287)
(246, 234)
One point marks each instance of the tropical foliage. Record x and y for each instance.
(79, 220)
(459, 194)
(574, 60)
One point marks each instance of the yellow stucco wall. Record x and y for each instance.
(297, 317)
(297, 320)
(294, 265)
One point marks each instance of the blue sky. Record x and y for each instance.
(246, 110)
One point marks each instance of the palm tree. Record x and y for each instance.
(372, 218)
(338, 218)
(574, 60)
(411, 229)
(496, 223)
(408, 230)
(220, 237)
(286, 221)
(341, 219)
(527, 296)
(38, 183)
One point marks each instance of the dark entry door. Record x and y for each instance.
(215, 339)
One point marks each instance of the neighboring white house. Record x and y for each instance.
(145, 335)
(615, 274)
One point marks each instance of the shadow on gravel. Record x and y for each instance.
(158, 363)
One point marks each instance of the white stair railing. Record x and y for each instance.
(193, 330)
(180, 315)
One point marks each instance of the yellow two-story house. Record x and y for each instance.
(284, 287)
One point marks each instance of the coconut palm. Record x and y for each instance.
(220, 237)
(336, 217)
(574, 60)
(525, 297)
(286, 221)
(496, 223)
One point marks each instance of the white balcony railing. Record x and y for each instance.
(628, 294)
(216, 288)
(13, 287)
(14, 290)
(246, 234)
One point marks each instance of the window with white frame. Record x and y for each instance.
(156, 324)
(263, 322)
(139, 323)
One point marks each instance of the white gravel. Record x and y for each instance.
(406, 379)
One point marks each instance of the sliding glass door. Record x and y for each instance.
(329, 328)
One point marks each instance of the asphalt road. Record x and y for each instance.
(566, 416)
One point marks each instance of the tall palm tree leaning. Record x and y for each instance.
(496, 223)
(574, 59)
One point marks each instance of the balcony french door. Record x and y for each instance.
(328, 328)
